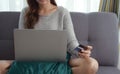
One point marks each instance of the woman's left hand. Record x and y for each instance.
(86, 52)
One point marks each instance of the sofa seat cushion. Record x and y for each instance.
(6, 50)
(108, 70)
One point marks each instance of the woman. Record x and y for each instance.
(38, 15)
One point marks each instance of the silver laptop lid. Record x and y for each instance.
(42, 45)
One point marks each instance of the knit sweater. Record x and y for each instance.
(57, 20)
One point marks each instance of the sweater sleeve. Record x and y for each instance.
(72, 41)
(22, 19)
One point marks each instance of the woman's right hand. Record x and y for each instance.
(86, 52)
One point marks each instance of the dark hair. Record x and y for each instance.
(32, 16)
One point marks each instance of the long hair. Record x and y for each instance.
(32, 15)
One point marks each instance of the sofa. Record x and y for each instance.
(99, 29)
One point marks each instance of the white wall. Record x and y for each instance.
(71, 5)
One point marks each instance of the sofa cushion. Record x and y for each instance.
(8, 21)
(99, 29)
(6, 50)
(108, 70)
(103, 35)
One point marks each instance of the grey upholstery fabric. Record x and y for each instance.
(103, 34)
(108, 70)
(8, 21)
(99, 29)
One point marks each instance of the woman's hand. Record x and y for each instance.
(86, 52)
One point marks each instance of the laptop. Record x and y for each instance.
(40, 45)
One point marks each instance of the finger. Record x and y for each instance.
(82, 55)
(86, 51)
(82, 51)
(89, 47)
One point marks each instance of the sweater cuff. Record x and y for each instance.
(77, 48)
(75, 51)
(72, 45)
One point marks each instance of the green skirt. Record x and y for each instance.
(18, 67)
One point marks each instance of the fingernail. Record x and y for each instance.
(90, 47)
